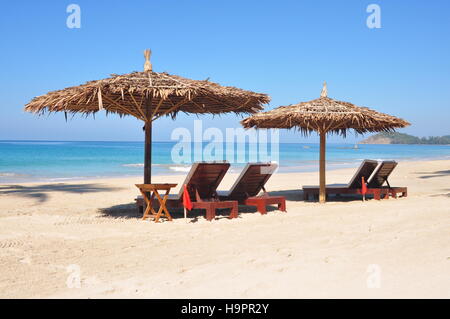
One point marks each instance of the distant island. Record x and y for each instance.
(401, 138)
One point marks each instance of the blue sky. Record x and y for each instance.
(283, 48)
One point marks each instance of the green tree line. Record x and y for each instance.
(401, 138)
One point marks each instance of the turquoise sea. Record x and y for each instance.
(22, 161)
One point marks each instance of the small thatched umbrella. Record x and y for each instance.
(325, 115)
(148, 96)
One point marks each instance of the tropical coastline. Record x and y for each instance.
(54, 161)
(402, 138)
(225, 154)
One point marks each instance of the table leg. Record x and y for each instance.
(149, 208)
(162, 206)
(158, 214)
(166, 197)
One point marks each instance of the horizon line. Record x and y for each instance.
(142, 141)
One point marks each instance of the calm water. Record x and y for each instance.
(31, 161)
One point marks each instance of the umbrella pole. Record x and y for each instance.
(148, 143)
(322, 191)
(148, 153)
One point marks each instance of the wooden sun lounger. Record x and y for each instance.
(380, 177)
(202, 182)
(375, 182)
(365, 170)
(250, 183)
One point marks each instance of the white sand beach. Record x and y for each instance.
(51, 232)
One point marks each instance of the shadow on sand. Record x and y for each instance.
(434, 174)
(443, 194)
(297, 196)
(130, 210)
(39, 192)
(127, 211)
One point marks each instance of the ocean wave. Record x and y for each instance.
(7, 174)
(34, 142)
(180, 168)
(133, 165)
(142, 165)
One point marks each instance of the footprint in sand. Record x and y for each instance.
(285, 252)
(25, 260)
(10, 243)
(85, 221)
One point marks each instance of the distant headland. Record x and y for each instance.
(401, 138)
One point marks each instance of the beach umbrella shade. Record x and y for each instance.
(148, 96)
(325, 115)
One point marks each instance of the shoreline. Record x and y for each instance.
(334, 166)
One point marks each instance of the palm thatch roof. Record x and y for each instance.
(325, 115)
(149, 95)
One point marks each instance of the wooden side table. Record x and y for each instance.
(262, 201)
(149, 192)
(211, 206)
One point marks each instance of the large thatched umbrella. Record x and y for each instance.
(148, 96)
(325, 115)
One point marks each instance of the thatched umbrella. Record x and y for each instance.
(325, 115)
(148, 96)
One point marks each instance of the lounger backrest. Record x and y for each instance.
(204, 177)
(251, 180)
(381, 174)
(365, 170)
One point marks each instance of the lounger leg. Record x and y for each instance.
(261, 206)
(234, 211)
(377, 195)
(282, 206)
(210, 213)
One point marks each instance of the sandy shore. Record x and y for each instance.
(83, 239)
